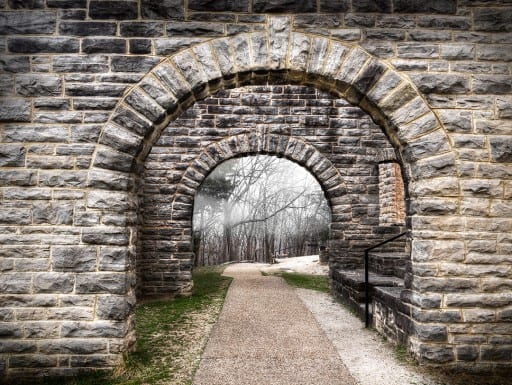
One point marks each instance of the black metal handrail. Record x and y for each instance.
(366, 277)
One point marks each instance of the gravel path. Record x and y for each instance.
(369, 359)
(266, 336)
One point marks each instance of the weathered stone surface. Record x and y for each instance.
(283, 6)
(115, 307)
(420, 6)
(501, 148)
(492, 84)
(53, 283)
(88, 28)
(119, 10)
(38, 85)
(12, 155)
(26, 23)
(121, 139)
(133, 63)
(142, 29)
(95, 329)
(441, 83)
(96, 45)
(492, 19)
(106, 236)
(115, 259)
(162, 9)
(15, 110)
(43, 45)
(74, 258)
(107, 283)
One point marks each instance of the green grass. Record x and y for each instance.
(307, 281)
(163, 328)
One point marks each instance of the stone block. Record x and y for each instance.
(94, 89)
(457, 51)
(87, 28)
(417, 51)
(38, 85)
(422, 6)
(133, 63)
(73, 258)
(53, 283)
(33, 361)
(469, 300)
(73, 346)
(32, 45)
(25, 4)
(115, 307)
(15, 216)
(12, 155)
(14, 110)
(91, 64)
(66, 4)
(95, 329)
(110, 200)
(441, 83)
(62, 178)
(501, 148)
(283, 6)
(27, 23)
(494, 84)
(106, 236)
(140, 46)
(482, 188)
(118, 10)
(115, 259)
(113, 160)
(142, 29)
(98, 45)
(458, 121)
(107, 180)
(15, 283)
(132, 121)
(489, 19)
(15, 64)
(447, 251)
(195, 29)
(121, 139)
(207, 62)
(53, 213)
(467, 353)
(18, 178)
(162, 9)
(445, 22)
(108, 283)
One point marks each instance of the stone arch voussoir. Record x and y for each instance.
(299, 58)
(254, 143)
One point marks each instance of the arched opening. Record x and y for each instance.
(257, 209)
(413, 131)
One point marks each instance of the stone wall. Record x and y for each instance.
(391, 194)
(344, 135)
(88, 86)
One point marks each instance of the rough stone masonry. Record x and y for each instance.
(106, 134)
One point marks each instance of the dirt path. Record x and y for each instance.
(265, 335)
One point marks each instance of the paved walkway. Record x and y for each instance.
(266, 336)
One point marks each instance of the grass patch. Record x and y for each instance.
(171, 335)
(307, 281)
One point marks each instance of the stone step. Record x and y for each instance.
(388, 264)
(353, 282)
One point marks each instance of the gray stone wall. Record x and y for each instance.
(88, 86)
(344, 135)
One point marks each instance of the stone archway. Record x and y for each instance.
(297, 58)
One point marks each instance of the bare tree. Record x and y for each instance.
(255, 208)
